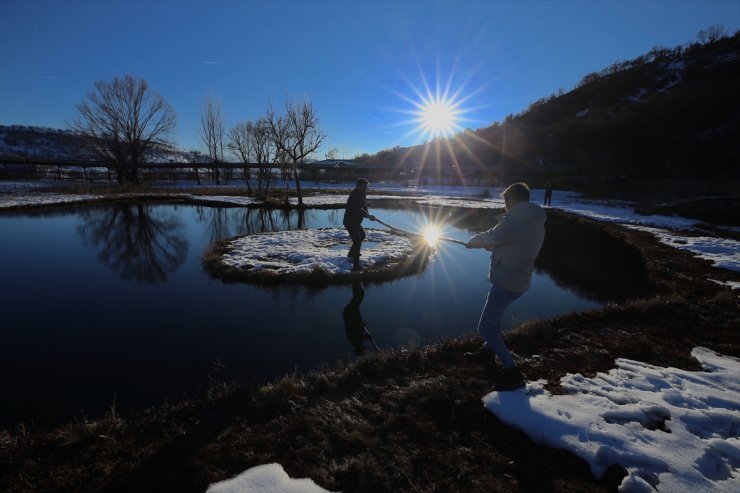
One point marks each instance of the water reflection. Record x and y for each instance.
(354, 325)
(136, 241)
(228, 222)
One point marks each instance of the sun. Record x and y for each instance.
(438, 109)
(431, 235)
(439, 117)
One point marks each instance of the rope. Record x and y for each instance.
(417, 234)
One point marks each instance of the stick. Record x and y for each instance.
(417, 234)
(370, 336)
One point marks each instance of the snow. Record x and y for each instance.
(222, 199)
(338, 200)
(267, 478)
(670, 429)
(304, 251)
(637, 97)
(7, 202)
(723, 252)
(730, 284)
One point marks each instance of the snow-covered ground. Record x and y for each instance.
(267, 478)
(672, 430)
(302, 252)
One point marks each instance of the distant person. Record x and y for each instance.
(356, 329)
(514, 242)
(355, 212)
(548, 192)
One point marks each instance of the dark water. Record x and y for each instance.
(110, 303)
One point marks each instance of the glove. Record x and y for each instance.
(371, 217)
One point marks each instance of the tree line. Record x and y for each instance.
(125, 120)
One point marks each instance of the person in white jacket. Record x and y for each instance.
(515, 243)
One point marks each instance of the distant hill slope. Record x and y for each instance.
(669, 113)
(41, 143)
(19, 141)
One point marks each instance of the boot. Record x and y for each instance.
(356, 267)
(511, 379)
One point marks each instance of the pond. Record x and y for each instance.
(110, 304)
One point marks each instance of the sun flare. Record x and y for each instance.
(431, 235)
(438, 117)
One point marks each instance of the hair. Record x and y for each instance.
(517, 191)
(361, 181)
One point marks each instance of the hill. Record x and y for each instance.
(41, 143)
(668, 114)
(30, 142)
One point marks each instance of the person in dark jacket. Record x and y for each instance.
(355, 212)
(548, 193)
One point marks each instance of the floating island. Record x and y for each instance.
(315, 257)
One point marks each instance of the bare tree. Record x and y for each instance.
(332, 153)
(240, 145)
(264, 151)
(212, 133)
(125, 121)
(196, 157)
(296, 134)
(712, 33)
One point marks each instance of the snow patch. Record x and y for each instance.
(723, 252)
(304, 251)
(670, 429)
(9, 201)
(223, 199)
(637, 97)
(267, 478)
(730, 284)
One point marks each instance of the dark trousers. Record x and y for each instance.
(357, 234)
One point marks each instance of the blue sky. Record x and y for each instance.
(360, 63)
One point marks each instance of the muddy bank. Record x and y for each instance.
(403, 421)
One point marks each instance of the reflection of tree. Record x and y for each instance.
(137, 242)
(221, 222)
(227, 222)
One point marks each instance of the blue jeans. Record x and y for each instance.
(489, 326)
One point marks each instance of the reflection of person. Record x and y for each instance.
(548, 193)
(355, 212)
(515, 242)
(353, 323)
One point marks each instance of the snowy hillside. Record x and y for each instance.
(19, 141)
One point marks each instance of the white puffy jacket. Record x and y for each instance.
(515, 242)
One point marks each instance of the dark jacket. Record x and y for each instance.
(356, 208)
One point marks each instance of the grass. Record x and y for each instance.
(407, 420)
